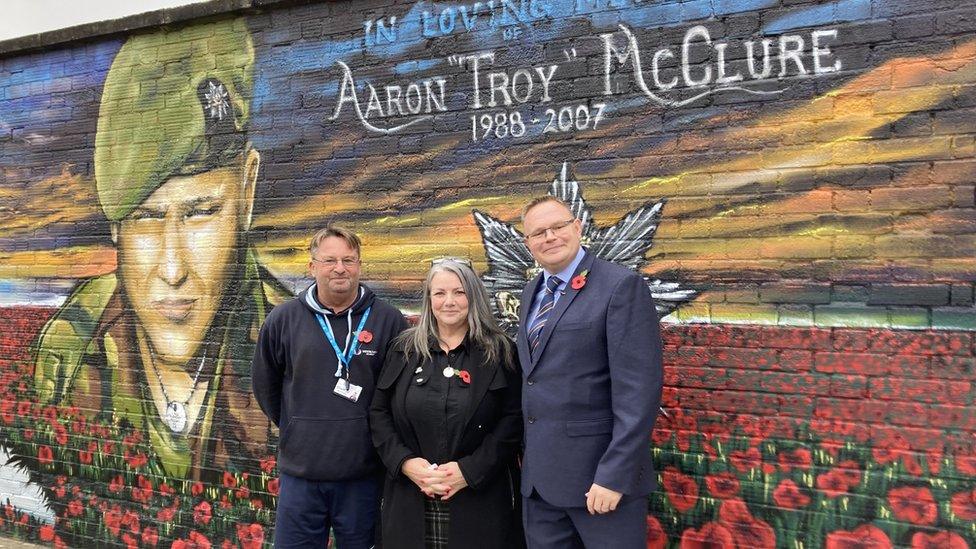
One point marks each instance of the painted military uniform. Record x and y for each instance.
(86, 358)
(175, 103)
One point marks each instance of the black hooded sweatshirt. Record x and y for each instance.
(323, 436)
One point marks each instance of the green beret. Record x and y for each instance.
(175, 103)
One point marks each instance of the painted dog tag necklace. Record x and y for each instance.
(176, 417)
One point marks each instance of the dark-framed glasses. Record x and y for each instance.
(555, 228)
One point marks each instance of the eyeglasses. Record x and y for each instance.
(332, 262)
(462, 260)
(555, 228)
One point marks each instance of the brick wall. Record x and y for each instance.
(805, 220)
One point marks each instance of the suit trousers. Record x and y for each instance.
(550, 527)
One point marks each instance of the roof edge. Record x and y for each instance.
(98, 29)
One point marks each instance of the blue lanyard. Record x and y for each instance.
(343, 357)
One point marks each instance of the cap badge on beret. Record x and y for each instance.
(217, 99)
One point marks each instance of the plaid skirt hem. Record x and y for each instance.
(437, 519)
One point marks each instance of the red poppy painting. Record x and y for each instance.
(865, 536)
(913, 504)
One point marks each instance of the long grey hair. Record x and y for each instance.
(483, 329)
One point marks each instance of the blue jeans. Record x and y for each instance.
(307, 509)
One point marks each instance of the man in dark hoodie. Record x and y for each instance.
(314, 371)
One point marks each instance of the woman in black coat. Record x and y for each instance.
(446, 419)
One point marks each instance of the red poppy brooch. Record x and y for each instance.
(365, 336)
(579, 280)
(464, 375)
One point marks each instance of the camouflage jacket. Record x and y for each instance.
(87, 356)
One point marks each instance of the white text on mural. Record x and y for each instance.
(780, 58)
(506, 102)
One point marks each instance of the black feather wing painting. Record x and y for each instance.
(510, 265)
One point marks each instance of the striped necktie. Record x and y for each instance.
(545, 307)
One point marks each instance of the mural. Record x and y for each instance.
(795, 183)
(141, 377)
(151, 342)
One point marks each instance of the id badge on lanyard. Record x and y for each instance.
(344, 387)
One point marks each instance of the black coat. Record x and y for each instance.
(485, 514)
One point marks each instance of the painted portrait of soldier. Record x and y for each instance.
(163, 344)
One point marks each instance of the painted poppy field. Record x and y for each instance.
(768, 442)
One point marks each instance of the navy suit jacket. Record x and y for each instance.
(592, 389)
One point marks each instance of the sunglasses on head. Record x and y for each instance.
(462, 260)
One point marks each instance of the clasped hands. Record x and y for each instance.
(442, 481)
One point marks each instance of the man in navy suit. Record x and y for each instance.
(590, 348)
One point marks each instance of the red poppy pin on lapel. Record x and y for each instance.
(365, 336)
(579, 280)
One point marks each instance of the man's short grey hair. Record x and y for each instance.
(336, 231)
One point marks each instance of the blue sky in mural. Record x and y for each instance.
(25, 113)
(409, 56)
(68, 80)
(825, 14)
